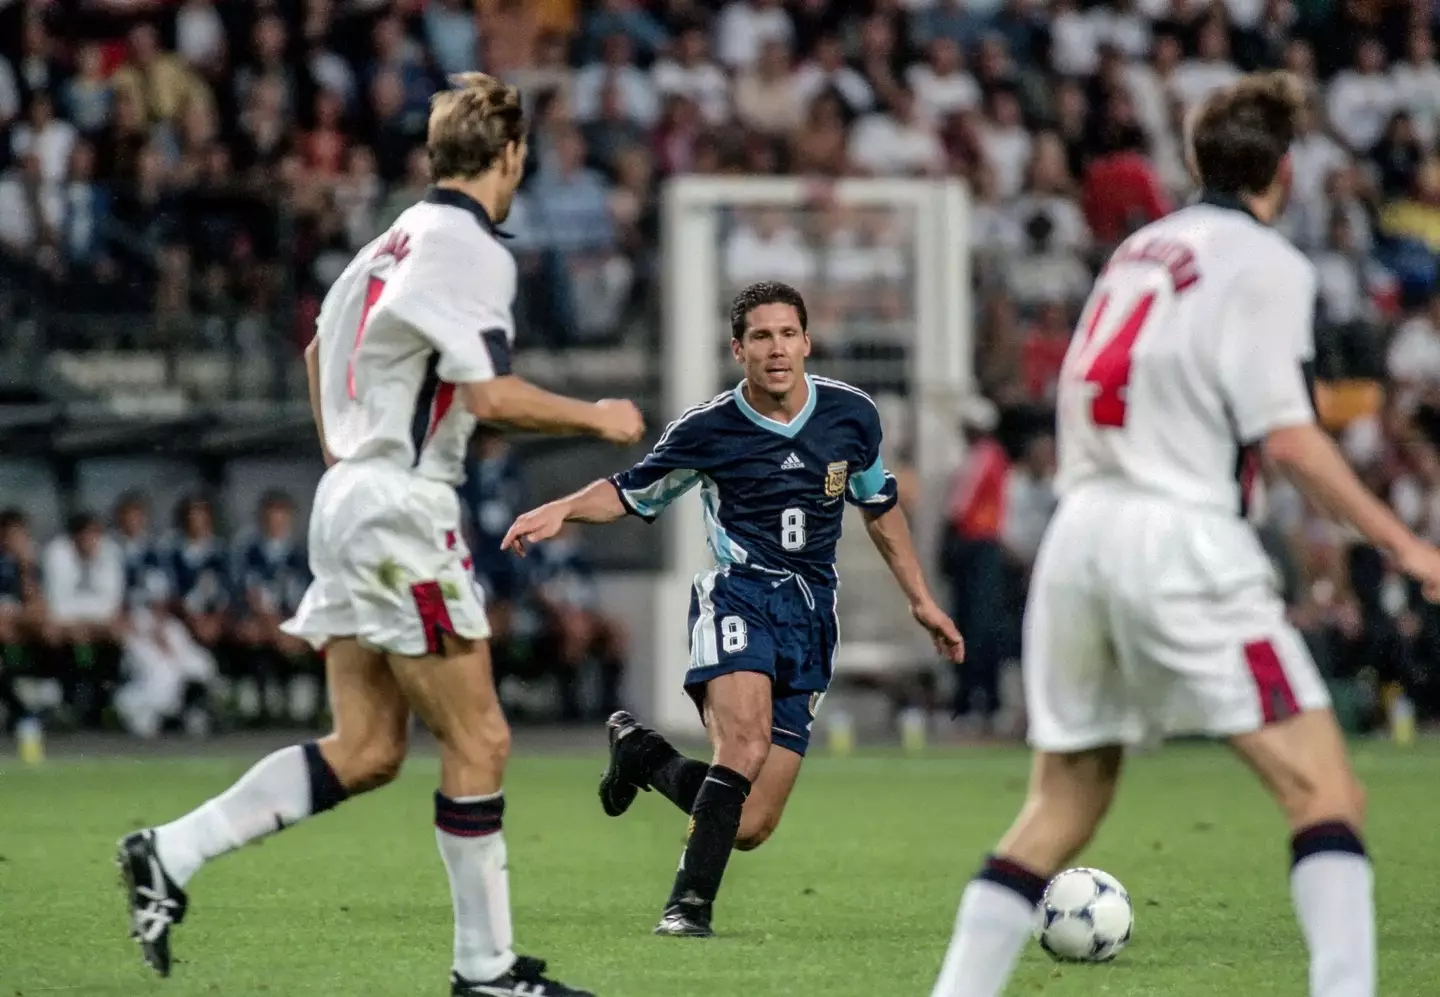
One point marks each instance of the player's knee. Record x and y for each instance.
(361, 768)
(744, 751)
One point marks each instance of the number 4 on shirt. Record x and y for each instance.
(1110, 370)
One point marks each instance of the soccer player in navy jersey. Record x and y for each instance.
(776, 458)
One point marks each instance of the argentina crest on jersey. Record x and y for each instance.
(835, 475)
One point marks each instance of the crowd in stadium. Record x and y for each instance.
(179, 628)
(212, 157)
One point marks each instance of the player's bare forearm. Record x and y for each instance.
(597, 502)
(890, 533)
(312, 381)
(1315, 464)
(514, 402)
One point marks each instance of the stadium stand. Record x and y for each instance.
(180, 181)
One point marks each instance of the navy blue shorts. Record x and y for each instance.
(743, 621)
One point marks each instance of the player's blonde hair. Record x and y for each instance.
(1241, 132)
(471, 125)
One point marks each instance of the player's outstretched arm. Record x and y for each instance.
(514, 402)
(1315, 464)
(597, 502)
(312, 381)
(890, 532)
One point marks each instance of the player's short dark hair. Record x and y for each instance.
(471, 125)
(11, 518)
(766, 292)
(1242, 132)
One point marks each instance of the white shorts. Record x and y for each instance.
(390, 564)
(1148, 618)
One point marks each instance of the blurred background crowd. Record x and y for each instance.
(183, 180)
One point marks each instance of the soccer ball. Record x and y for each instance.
(1084, 916)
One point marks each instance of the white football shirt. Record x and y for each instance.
(422, 309)
(1190, 348)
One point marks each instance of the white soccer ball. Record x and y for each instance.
(1084, 916)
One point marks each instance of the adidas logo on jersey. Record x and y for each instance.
(792, 463)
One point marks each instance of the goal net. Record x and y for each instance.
(884, 268)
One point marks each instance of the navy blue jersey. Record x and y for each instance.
(147, 576)
(272, 573)
(774, 493)
(200, 571)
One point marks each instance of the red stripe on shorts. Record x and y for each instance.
(1277, 699)
(434, 615)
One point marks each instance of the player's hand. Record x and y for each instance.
(1422, 562)
(619, 421)
(947, 639)
(533, 527)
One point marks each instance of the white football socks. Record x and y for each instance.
(991, 930)
(1333, 894)
(279, 790)
(467, 831)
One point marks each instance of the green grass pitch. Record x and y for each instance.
(855, 894)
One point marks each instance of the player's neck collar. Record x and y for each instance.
(1218, 200)
(453, 198)
(790, 429)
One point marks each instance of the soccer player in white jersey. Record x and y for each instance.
(412, 346)
(1153, 609)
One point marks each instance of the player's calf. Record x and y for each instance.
(1304, 764)
(454, 694)
(737, 714)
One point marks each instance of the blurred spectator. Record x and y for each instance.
(1194, 79)
(957, 20)
(744, 26)
(1416, 81)
(1362, 99)
(827, 70)
(84, 579)
(1043, 352)
(167, 674)
(628, 18)
(692, 74)
(1005, 141)
(1122, 191)
(634, 90)
(1414, 360)
(582, 645)
(200, 571)
(158, 82)
(767, 243)
(767, 95)
(47, 138)
(272, 573)
(898, 141)
(87, 97)
(973, 560)
(450, 32)
(941, 84)
(146, 578)
(199, 33)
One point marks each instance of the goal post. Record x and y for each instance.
(884, 267)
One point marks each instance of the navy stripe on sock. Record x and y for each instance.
(1013, 876)
(469, 820)
(1331, 836)
(326, 790)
